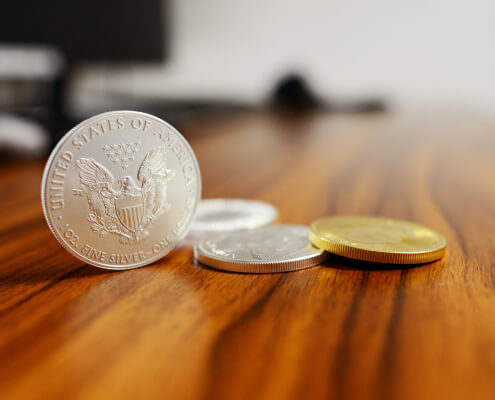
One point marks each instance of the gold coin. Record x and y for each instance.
(377, 239)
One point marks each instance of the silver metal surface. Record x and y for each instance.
(232, 214)
(269, 249)
(120, 189)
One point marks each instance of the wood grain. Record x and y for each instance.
(344, 330)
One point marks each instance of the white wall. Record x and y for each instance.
(426, 52)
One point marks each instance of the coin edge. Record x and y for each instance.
(202, 226)
(357, 253)
(268, 267)
(252, 266)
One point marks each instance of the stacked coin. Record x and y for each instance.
(376, 239)
(273, 248)
(220, 215)
(281, 248)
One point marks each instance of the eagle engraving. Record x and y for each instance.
(127, 211)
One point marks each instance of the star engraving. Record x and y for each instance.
(122, 154)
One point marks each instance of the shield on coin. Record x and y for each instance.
(130, 211)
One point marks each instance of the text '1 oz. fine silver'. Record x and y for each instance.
(120, 189)
(269, 249)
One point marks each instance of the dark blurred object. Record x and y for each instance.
(365, 106)
(294, 93)
(27, 78)
(89, 30)
(32, 32)
(21, 136)
(27, 75)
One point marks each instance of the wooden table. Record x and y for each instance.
(344, 330)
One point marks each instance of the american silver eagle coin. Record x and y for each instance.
(120, 189)
(268, 249)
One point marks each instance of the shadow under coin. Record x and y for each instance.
(344, 263)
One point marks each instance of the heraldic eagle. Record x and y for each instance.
(129, 210)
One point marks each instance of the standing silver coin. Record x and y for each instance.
(120, 189)
(232, 214)
(269, 249)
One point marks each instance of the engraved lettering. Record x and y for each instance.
(77, 143)
(188, 171)
(160, 245)
(112, 123)
(170, 140)
(120, 123)
(59, 175)
(182, 155)
(64, 161)
(115, 124)
(56, 201)
(67, 156)
(84, 137)
(70, 236)
(127, 258)
(91, 252)
(158, 134)
(95, 130)
(137, 123)
(56, 186)
(178, 149)
(63, 165)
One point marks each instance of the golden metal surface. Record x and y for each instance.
(377, 239)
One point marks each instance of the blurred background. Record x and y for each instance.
(62, 61)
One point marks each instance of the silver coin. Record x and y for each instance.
(120, 189)
(232, 214)
(269, 249)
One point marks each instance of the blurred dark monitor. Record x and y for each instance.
(89, 30)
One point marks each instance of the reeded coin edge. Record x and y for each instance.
(52, 157)
(262, 267)
(375, 256)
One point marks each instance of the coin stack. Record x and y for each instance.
(282, 248)
(121, 189)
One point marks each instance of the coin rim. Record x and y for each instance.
(203, 227)
(258, 267)
(358, 253)
(48, 217)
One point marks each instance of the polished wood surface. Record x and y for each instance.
(343, 330)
